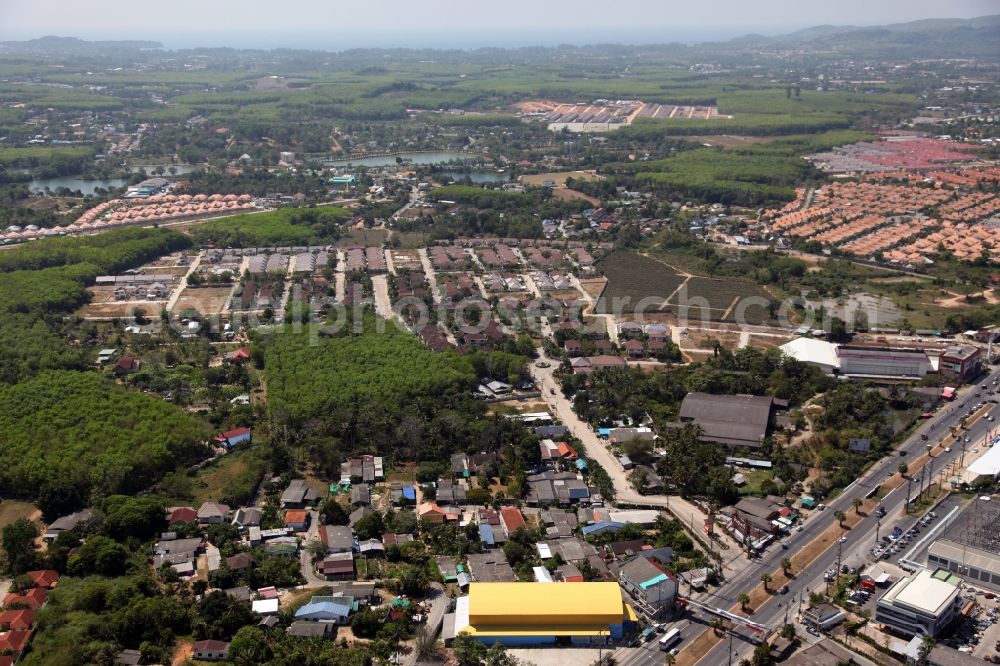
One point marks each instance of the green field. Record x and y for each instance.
(749, 175)
(285, 226)
(36, 155)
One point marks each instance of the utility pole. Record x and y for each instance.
(930, 475)
(840, 550)
(906, 500)
(730, 647)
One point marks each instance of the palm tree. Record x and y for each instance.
(786, 565)
(841, 517)
(717, 626)
(744, 599)
(857, 504)
(765, 578)
(927, 644)
(669, 660)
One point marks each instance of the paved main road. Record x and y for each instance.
(862, 536)
(745, 574)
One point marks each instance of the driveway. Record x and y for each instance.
(438, 602)
(383, 305)
(304, 557)
(425, 262)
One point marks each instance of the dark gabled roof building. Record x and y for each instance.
(733, 420)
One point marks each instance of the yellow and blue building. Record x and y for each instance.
(543, 613)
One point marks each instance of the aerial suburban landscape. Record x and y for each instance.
(559, 350)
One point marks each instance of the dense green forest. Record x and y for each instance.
(746, 177)
(356, 391)
(487, 198)
(69, 432)
(310, 377)
(40, 282)
(109, 252)
(78, 430)
(285, 226)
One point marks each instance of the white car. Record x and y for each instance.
(843, 539)
(947, 449)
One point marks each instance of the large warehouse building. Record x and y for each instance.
(541, 613)
(733, 420)
(860, 360)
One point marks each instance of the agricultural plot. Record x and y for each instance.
(721, 300)
(632, 278)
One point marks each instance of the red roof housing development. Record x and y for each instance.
(17, 619)
(46, 578)
(33, 598)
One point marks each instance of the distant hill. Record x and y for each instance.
(54, 45)
(928, 38)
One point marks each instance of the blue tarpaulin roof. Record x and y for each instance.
(601, 526)
(604, 432)
(341, 609)
(653, 581)
(409, 493)
(486, 535)
(581, 464)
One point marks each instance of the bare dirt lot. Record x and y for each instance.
(701, 339)
(104, 305)
(731, 141)
(767, 341)
(406, 259)
(566, 194)
(206, 300)
(557, 177)
(594, 286)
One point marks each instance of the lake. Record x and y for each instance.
(85, 186)
(413, 158)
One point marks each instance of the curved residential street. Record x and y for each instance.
(562, 408)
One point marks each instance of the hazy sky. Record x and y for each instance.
(329, 23)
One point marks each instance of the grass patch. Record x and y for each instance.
(285, 226)
(213, 480)
(366, 237)
(12, 510)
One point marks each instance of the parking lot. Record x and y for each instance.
(899, 542)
